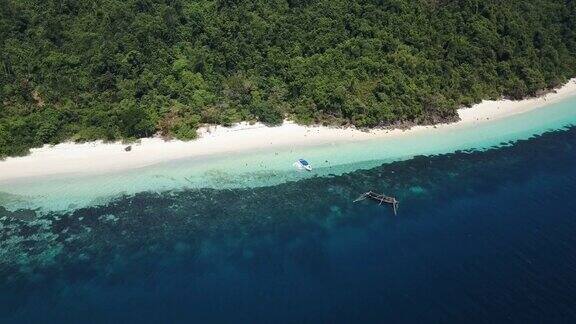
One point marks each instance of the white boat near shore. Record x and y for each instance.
(302, 164)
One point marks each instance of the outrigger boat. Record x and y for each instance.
(303, 165)
(380, 198)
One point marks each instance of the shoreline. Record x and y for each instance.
(101, 158)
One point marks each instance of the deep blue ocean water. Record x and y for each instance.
(481, 237)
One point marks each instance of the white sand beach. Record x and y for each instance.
(98, 157)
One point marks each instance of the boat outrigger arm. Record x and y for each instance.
(381, 198)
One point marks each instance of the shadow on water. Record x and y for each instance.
(304, 239)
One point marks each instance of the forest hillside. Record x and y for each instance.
(124, 69)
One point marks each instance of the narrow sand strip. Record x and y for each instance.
(98, 157)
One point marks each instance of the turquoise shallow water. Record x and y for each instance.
(270, 167)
